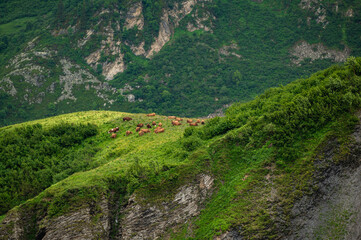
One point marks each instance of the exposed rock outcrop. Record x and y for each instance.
(109, 47)
(28, 70)
(72, 78)
(349, 13)
(219, 112)
(304, 50)
(92, 220)
(88, 222)
(229, 50)
(201, 20)
(166, 26)
(8, 86)
(135, 17)
(333, 211)
(316, 7)
(151, 221)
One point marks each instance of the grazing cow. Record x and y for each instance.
(114, 135)
(202, 122)
(128, 133)
(149, 126)
(145, 130)
(171, 117)
(160, 124)
(176, 123)
(141, 133)
(151, 115)
(137, 129)
(158, 130)
(198, 121)
(179, 119)
(140, 125)
(189, 120)
(113, 130)
(127, 119)
(193, 124)
(154, 123)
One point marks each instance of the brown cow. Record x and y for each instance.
(154, 123)
(176, 123)
(189, 120)
(141, 133)
(145, 130)
(114, 135)
(179, 119)
(151, 115)
(198, 121)
(160, 124)
(149, 126)
(202, 122)
(171, 117)
(193, 124)
(113, 130)
(137, 129)
(128, 133)
(127, 119)
(140, 125)
(158, 130)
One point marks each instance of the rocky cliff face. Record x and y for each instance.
(147, 221)
(304, 50)
(31, 77)
(138, 219)
(333, 211)
(31, 81)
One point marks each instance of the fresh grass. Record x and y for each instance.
(15, 26)
(2, 217)
(115, 156)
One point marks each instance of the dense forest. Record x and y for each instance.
(244, 49)
(33, 158)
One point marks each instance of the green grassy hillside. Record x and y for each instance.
(262, 156)
(38, 154)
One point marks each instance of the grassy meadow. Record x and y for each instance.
(112, 158)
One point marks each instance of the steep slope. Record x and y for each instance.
(276, 167)
(186, 57)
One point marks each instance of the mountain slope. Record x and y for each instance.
(186, 58)
(261, 172)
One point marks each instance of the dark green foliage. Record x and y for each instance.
(191, 143)
(32, 158)
(60, 15)
(284, 115)
(200, 79)
(189, 76)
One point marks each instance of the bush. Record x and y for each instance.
(191, 143)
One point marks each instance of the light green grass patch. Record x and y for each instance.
(15, 26)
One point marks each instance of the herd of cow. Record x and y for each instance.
(176, 121)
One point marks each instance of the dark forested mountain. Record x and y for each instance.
(185, 57)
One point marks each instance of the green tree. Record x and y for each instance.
(60, 17)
